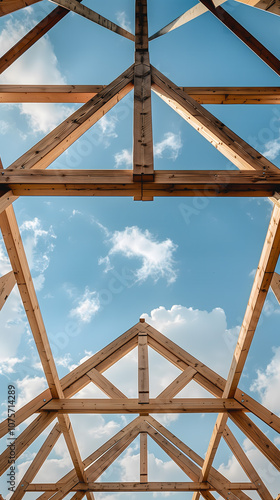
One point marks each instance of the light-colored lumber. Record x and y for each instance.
(31, 37)
(249, 40)
(268, 5)
(178, 384)
(16, 253)
(263, 277)
(192, 13)
(51, 93)
(57, 141)
(83, 93)
(275, 285)
(37, 463)
(142, 119)
(90, 14)
(9, 6)
(104, 384)
(219, 135)
(143, 457)
(246, 464)
(7, 283)
(143, 369)
(148, 486)
(26, 438)
(111, 406)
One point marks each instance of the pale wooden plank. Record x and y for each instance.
(275, 285)
(104, 384)
(7, 283)
(178, 384)
(90, 14)
(273, 7)
(143, 369)
(143, 457)
(225, 140)
(37, 463)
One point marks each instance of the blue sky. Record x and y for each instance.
(101, 263)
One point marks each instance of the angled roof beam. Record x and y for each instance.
(275, 285)
(31, 37)
(268, 5)
(9, 6)
(7, 283)
(143, 162)
(37, 463)
(90, 14)
(219, 135)
(258, 48)
(57, 141)
(246, 464)
(195, 11)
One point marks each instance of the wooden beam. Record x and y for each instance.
(237, 29)
(8, 6)
(179, 183)
(263, 277)
(143, 458)
(50, 147)
(104, 384)
(178, 384)
(246, 464)
(142, 122)
(148, 486)
(227, 142)
(32, 36)
(143, 369)
(108, 406)
(83, 93)
(90, 14)
(7, 283)
(37, 463)
(192, 13)
(275, 285)
(26, 438)
(273, 7)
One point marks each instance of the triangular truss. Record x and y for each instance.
(83, 479)
(28, 176)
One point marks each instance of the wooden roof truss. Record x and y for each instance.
(27, 176)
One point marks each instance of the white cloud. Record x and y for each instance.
(123, 20)
(203, 334)
(272, 149)
(267, 383)
(38, 65)
(28, 388)
(4, 127)
(87, 307)
(156, 256)
(124, 157)
(171, 145)
(7, 365)
(38, 244)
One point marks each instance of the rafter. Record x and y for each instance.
(90, 14)
(7, 283)
(275, 285)
(9, 6)
(268, 5)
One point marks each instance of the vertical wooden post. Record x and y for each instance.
(143, 367)
(143, 168)
(143, 457)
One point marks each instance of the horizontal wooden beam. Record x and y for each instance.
(149, 486)
(186, 183)
(178, 405)
(83, 93)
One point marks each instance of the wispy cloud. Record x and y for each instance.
(156, 256)
(272, 149)
(123, 20)
(38, 65)
(38, 243)
(88, 306)
(267, 383)
(169, 147)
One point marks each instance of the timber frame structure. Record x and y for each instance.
(28, 176)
